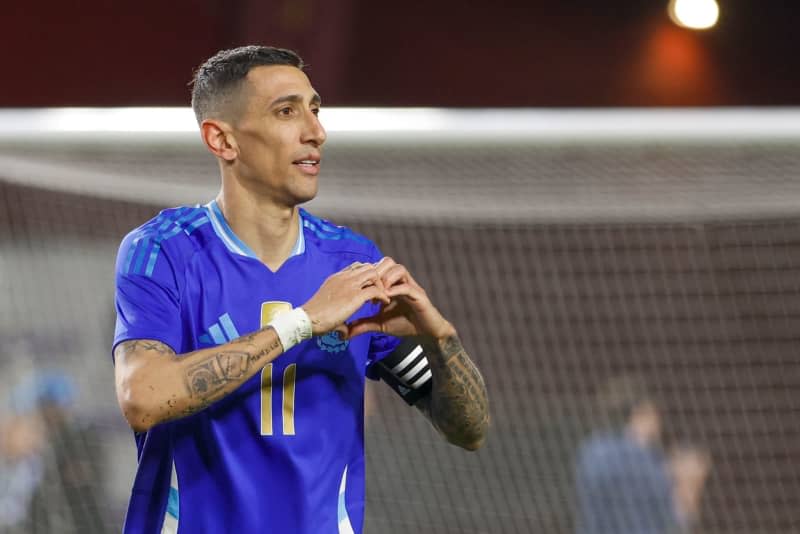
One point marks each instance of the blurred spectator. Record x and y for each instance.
(60, 489)
(689, 466)
(625, 482)
(21, 442)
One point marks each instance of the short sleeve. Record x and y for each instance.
(147, 296)
(380, 345)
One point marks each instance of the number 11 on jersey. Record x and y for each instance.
(289, 376)
(268, 311)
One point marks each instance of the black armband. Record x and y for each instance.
(407, 371)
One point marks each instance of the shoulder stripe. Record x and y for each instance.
(324, 231)
(151, 263)
(197, 224)
(129, 258)
(142, 249)
(181, 224)
(165, 226)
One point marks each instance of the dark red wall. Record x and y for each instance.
(440, 53)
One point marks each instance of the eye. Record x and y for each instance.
(315, 111)
(286, 111)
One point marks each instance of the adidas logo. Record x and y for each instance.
(220, 332)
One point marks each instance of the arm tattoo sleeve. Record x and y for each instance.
(210, 375)
(458, 405)
(129, 347)
(207, 375)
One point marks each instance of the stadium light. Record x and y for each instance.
(694, 14)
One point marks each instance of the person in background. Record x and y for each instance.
(66, 496)
(21, 443)
(625, 482)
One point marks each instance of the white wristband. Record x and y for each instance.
(292, 327)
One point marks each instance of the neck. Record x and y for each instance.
(268, 228)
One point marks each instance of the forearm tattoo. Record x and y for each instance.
(129, 347)
(214, 376)
(458, 405)
(208, 376)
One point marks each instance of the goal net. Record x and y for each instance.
(589, 259)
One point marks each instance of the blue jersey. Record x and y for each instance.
(285, 451)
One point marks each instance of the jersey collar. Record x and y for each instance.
(236, 245)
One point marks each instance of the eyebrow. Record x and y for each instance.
(315, 99)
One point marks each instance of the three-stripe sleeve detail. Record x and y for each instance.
(413, 370)
(144, 251)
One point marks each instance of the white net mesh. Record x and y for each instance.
(570, 249)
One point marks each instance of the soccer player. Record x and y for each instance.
(246, 327)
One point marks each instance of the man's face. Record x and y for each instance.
(647, 420)
(278, 134)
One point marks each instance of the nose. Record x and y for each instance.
(314, 132)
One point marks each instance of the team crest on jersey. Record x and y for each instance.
(332, 342)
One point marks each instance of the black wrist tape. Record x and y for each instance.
(407, 371)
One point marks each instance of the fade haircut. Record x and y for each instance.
(217, 81)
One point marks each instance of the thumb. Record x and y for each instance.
(362, 326)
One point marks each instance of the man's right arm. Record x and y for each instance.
(155, 385)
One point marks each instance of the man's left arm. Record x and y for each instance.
(457, 403)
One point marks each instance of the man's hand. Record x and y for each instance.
(342, 294)
(457, 405)
(410, 312)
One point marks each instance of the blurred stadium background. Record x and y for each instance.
(571, 246)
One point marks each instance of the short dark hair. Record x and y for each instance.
(216, 80)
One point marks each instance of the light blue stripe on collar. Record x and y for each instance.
(236, 245)
(300, 244)
(224, 231)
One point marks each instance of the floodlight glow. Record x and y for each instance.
(694, 14)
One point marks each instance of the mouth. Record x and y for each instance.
(308, 165)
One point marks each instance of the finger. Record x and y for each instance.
(404, 290)
(411, 294)
(384, 265)
(379, 284)
(411, 280)
(374, 292)
(367, 276)
(356, 267)
(397, 273)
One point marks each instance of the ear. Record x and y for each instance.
(218, 137)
